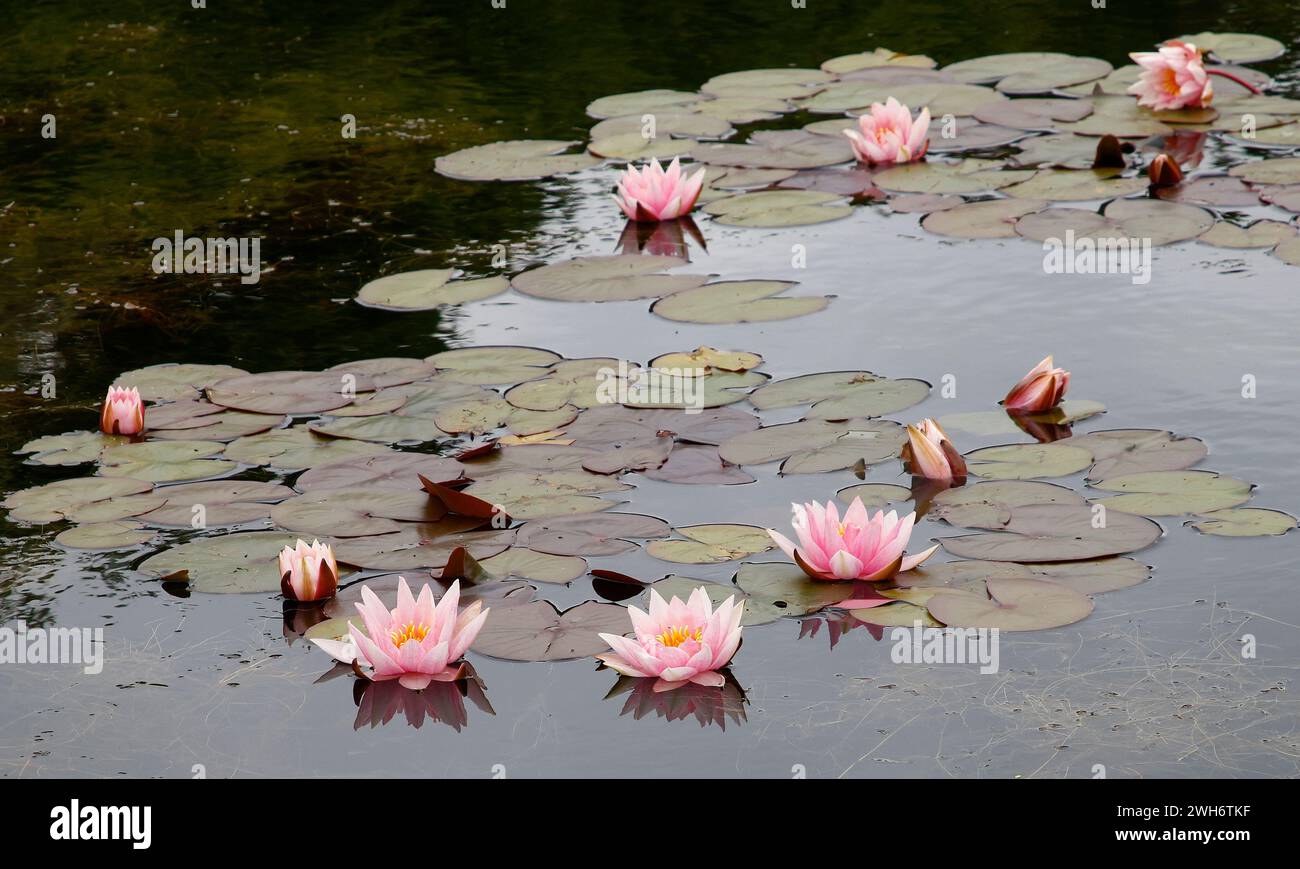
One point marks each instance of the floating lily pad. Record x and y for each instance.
(1029, 71)
(875, 495)
(994, 218)
(743, 109)
(1061, 150)
(166, 461)
(998, 422)
(737, 302)
(1135, 450)
(223, 502)
(427, 289)
(969, 135)
(865, 442)
(380, 429)
(940, 97)
(104, 535)
(636, 454)
(556, 493)
(709, 544)
(778, 208)
(989, 505)
(293, 449)
(841, 394)
(1162, 222)
(1244, 522)
(590, 535)
(53, 502)
(707, 358)
(228, 425)
(1170, 493)
(1027, 461)
(781, 589)
(537, 566)
(1012, 605)
(481, 366)
(383, 470)
(880, 57)
(1122, 117)
(1033, 114)
(1288, 252)
(606, 279)
(666, 123)
(698, 466)
(641, 102)
(604, 426)
(878, 438)
(355, 512)
(288, 392)
(633, 146)
(537, 631)
(924, 203)
(968, 176)
(1237, 47)
(1278, 136)
(1076, 185)
(839, 182)
(228, 563)
(173, 382)
(1259, 234)
(521, 160)
(1056, 532)
(73, 448)
(1281, 170)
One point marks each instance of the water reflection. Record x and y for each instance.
(837, 625)
(378, 703)
(663, 238)
(688, 700)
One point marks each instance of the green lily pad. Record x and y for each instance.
(228, 563)
(841, 394)
(1288, 252)
(53, 502)
(481, 366)
(521, 160)
(1244, 522)
(606, 279)
(1237, 47)
(782, 589)
(175, 382)
(1259, 234)
(223, 502)
(1058, 150)
(526, 495)
(288, 392)
(633, 146)
(421, 547)
(691, 125)
(1033, 114)
(1280, 170)
(737, 302)
(1029, 71)
(73, 448)
(989, 505)
(1056, 532)
(104, 535)
(865, 442)
(166, 461)
(536, 566)
(994, 218)
(293, 449)
(641, 102)
(1171, 493)
(779, 149)
(427, 289)
(778, 208)
(709, 544)
(1027, 461)
(896, 615)
(380, 429)
(354, 512)
(1134, 450)
(382, 470)
(1076, 185)
(1012, 605)
(743, 109)
(591, 535)
(698, 466)
(875, 495)
(880, 57)
(968, 176)
(989, 423)
(537, 631)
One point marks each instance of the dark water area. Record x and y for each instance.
(225, 122)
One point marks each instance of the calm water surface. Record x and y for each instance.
(224, 122)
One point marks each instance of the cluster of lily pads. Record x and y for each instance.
(1013, 148)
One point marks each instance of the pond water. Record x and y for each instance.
(225, 122)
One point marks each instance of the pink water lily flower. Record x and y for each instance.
(1041, 389)
(677, 642)
(416, 643)
(654, 194)
(931, 455)
(308, 572)
(123, 412)
(861, 546)
(1173, 77)
(888, 134)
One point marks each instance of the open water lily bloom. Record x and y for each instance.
(678, 642)
(654, 193)
(859, 546)
(1173, 77)
(889, 134)
(416, 643)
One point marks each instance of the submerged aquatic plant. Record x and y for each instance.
(931, 455)
(416, 643)
(308, 573)
(654, 193)
(676, 642)
(1041, 389)
(123, 412)
(888, 134)
(861, 546)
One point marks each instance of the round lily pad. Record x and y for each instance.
(175, 382)
(1076, 185)
(606, 279)
(1281, 170)
(1027, 461)
(355, 512)
(841, 394)
(968, 176)
(1170, 493)
(737, 302)
(227, 563)
(223, 502)
(863, 443)
(1057, 532)
(1244, 522)
(778, 208)
(166, 461)
(599, 534)
(53, 502)
(989, 505)
(536, 566)
(288, 392)
(427, 289)
(698, 466)
(875, 495)
(994, 218)
(666, 123)
(709, 544)
(538, 631)
(641, 102)
(73, 448)
(1288, 252)
(1033, 114)
(1012, 605)
(1259, 234)
(880, 57)
(485, 365)
(1130, 451)
(522, 160)
(293, 449)
(1237, 47)
(380, 429)
(104, 535)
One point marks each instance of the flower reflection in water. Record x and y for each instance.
(666, 238)
(706, 705)
(378, 703)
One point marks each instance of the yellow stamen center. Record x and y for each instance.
(677, 635)
(1171, 84)
(409, 632)
(841, 529)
